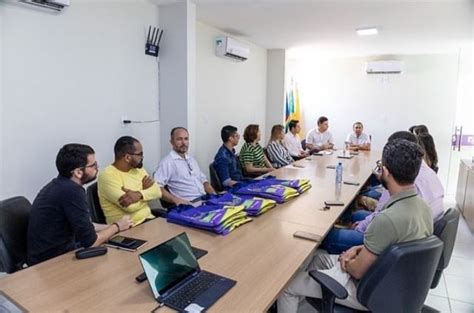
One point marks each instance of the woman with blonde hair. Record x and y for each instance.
(276, 151)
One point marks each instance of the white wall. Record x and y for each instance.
(70, 78)
(275, 107)
(227, 93)
(341, 90)
(177, 69)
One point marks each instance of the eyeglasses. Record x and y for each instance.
(378, 168)
(137, 154)
(94, 165)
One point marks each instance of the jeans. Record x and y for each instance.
(372, 192)
(339, 240)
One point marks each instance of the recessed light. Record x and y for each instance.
(367, 31)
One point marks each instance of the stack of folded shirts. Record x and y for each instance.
(218, 218)
(301, 185)
(252, 205)
(279, 193)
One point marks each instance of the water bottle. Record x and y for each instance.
(339, 173)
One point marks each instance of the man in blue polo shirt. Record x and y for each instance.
(225, 161)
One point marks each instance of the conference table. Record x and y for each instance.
(262, 256)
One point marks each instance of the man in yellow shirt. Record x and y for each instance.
(124, 186)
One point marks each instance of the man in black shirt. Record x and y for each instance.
(60, 218)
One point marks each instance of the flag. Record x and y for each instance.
(293, 107)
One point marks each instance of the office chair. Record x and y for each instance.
(446, 230)
(165, 204)
(215, 180)
(397, 282)
(97, 214)
(303, 144)
(14, 217)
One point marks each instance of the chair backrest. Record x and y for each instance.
(400, 278)
(14, 218)
(303, 144)
(165, 204)
(215, 180)
(446, 229)
(97, 214)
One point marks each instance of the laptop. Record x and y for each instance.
(177, 281)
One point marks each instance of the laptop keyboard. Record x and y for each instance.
(187, 294)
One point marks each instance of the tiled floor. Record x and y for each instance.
(455, 293)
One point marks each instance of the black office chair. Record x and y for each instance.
(397, 282)
(97, 214)
(215, 180)
(14, 217)
(303, 144)
(446, 230)
(165, 204)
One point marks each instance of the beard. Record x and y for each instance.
(139, 165)
(183, 149)
(382, 181)
(85, 179)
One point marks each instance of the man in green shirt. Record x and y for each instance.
(405, 217)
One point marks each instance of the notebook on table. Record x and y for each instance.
(176, 279)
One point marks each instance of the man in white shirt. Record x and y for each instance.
(358, 140)
(320, 138)
(293, 142)
(180, 172)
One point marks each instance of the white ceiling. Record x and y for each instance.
(328, 27)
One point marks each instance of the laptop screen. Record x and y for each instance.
(168, 263)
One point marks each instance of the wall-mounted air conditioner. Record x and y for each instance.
(52, 5)
(384, 67)
(231, 48)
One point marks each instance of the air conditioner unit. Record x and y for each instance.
(231, 48)
(384, 67)
(53, 5)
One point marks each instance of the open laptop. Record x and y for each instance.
(176, 279)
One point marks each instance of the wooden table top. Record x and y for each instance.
(262, 256)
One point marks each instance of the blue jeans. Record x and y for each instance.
(359, 215)
(372, 192)
(339, 240)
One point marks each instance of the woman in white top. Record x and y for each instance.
(358, 140)
(277, 152)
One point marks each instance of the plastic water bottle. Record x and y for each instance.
(339, 169)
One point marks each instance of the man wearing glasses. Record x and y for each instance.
(60, 217)
(179, 174)
(427, 184)
(124, 186)
(401, 161)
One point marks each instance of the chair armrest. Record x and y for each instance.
(330, 284)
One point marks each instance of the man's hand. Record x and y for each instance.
(326, 146)
(354, 225)
(124, 223)
(179, 201)
(349, 255)
(147, 182)
(129, 197)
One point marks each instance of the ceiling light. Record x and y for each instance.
(367, 31)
